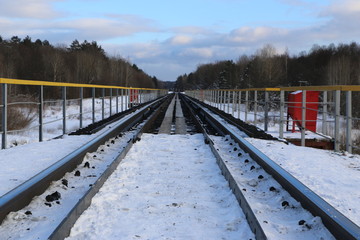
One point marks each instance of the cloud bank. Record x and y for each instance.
(167, 52)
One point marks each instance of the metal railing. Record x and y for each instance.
(118, 99)
(269, 106)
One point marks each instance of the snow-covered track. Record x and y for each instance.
(22, 195)
(339, 225)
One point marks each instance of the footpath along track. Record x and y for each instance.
(265, 203)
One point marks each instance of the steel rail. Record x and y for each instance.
(249, 214)
(22, 195)
(64, 228)
(229, 120)
(339, 225)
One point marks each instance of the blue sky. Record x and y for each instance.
(169, 38)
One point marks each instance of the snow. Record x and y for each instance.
(165, 195)
(333, 176)
(52, 119)
(23, 162)
(274, 126)
(44, 218)
(39, 155)
(268, 199)
(164, 190)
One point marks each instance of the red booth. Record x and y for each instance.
(134, 97)
(295, 109)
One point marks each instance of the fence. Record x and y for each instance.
(116, 98)
(338, 116)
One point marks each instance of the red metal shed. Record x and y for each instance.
(295, 109)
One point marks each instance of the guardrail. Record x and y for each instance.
(118, 99)
(266, 107)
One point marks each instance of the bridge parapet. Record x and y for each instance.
(112, 99)
(338, 117)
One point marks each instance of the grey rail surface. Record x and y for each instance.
(338, 224)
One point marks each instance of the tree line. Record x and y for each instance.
(321, 65)
(85, 63)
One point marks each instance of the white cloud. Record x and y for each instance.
(198, 52)
(182, 47)
(35, 9)
(105, 28)
(181, 40)
(65, 30)
(342, 7)
(193, 30)
(248, 34)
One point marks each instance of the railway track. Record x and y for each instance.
(340, 226)
(247, 171)
(128, 128)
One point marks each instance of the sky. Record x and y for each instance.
(170, 38)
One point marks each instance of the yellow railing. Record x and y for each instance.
(127, 98)
(260, 105)
(62, 84)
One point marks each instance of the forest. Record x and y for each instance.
(85, 63)
(88, 63)
(321, 65)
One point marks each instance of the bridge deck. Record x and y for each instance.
(167, 125)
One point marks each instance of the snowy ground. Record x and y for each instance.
(333, 176)
(52, 119)
(280, 215)
(40, 218)
(164, 190)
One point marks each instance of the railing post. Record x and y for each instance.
(103, 103)
(212, 98)
(255, 107)
(110, 102)
(239, 105)
(221, 100)
(122, 100)
(126, 99)
(224, 100)
(209, 97)
(64, 109)
(217, 99)
(324, 114)
(266, 111)
(303, 118)
(4, 116)
(93, 105)
(139, 97)
(246, 104)
(228, 101)
(337, 121)
(222, 107)
(117, 100)
(233, 103)
(81, 106)
(282, 110)
(41, 106)
(348, 122)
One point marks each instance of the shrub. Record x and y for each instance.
(21, 112)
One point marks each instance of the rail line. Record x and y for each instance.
(151, 116)
(19, 197)
(340, 226)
